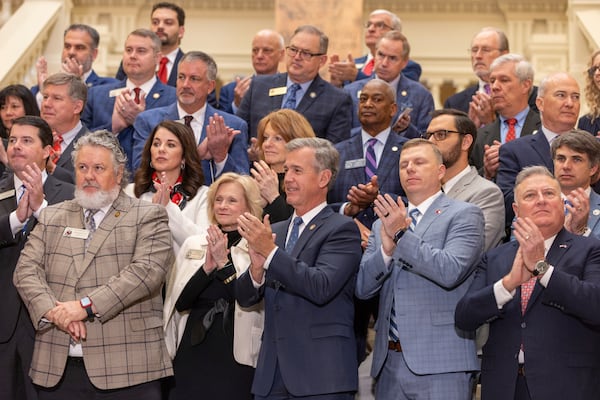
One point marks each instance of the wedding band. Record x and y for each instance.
(386, 214)
(526, 237)
(122, 108)
(579, 209)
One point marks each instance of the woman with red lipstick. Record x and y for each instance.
(170, 174)
(274, 131)
(591, 121)
(214, 341)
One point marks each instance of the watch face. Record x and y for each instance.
(85, 302)
(540, 268)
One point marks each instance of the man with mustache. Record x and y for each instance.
(222, 138)
(91, 275)
(24, 193)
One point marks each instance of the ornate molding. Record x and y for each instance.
(224, 5)
(467, 6)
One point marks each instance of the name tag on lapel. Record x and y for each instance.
(115, 92)
(194, 254)
(278, 91)
(351, 164)
(76, 233)
(7, 194)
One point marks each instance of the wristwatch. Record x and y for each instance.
(540, 268)
(86, 304)
(398, 235)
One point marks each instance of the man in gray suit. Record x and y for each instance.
(454, 134)
(90, 276)
(576, 158)
(419, 259)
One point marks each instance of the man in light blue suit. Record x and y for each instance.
(305, 270)
(419, 259)
(115, 106)
(576, 157)
(224, 148)
(391, 57)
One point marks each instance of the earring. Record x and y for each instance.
(151, 166)
(183, 165)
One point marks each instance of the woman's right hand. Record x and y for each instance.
(216, 251)
(268, 184)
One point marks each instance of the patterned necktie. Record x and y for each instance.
(393, 333)
(368, 68)
(56, 148)
(22, 190)
(293, 235)
(526, 291)
(90, 225)
(511, 134)
(137, 95)
(162, 69)
(187, 120)
(370, 159)
(290, 102)
(486, 88)
(414, 214)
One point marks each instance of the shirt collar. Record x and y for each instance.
(146, 86)
(452, 181)
(309, 215)
(425, 204)
(381, 137)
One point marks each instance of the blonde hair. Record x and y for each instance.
(249, 186)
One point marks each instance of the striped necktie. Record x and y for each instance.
(370, 159)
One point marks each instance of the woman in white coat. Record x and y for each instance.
(214, 341)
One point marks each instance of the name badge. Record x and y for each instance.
(115, 92)
(7, 194)
(277, 91)
(76, 233)
(194, 254)
(358, 163)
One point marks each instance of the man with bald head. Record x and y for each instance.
(267, 52)
(558, 101)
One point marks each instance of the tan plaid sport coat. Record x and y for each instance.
(122, 272)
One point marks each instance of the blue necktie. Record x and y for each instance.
(293, 235)
(290, 102)
(414, 214)
(370, 159)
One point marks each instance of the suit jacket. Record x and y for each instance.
(586, 124)
(490, 132)
(237, 160)
(594, 217)
(327, 108)
(11, 246)
(309, 304)
(460, 100)
(122, 272)
(65, 171)
(92, 80)
(516, 155)
(226, 96)
(428, 276)
(559, 330)
(248, 321)
(99, 108)
(408, 94)
(350, 175)
(472, 188)
(411, 71)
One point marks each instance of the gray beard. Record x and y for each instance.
(98, 200)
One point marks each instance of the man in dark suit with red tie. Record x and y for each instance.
(540, 295)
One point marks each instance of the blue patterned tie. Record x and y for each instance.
(293, 235)
(370, 159)
(393, 333)
(290, 102)
(414, 214)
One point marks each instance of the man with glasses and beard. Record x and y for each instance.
(91, 275)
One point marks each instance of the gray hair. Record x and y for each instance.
(77, 89)
(106, 139)
(543, 86)
(523, 68)
(396, 22)
(530, 171)
(313, 30)
(211, 65)
(147, 33)
(326, 156)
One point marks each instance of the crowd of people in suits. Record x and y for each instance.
(163, 242)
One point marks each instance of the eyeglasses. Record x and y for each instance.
(377, 25)
(593, 70)
(305, 55)
(484, 50)
(440, 135)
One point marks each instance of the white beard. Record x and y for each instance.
(97, 200)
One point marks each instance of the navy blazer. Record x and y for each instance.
(559, 330)
(411, 71)
(226, 97)
(309, 308)
(92, 80)
(585, 123)
(350, 175)
(490, 132)
(98, 110)
(408, 94)
(327, 108)
(237, 160)
(516, 155)
(460, 100)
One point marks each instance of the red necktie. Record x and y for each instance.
(162, 69)
(137, 95)
(56, 148)
(526, 291)
(368, 68)
(511, 134)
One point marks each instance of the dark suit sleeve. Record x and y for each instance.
(245, 292)
(412, 71)
(141, 132)
(237, 160)
(226, 98)
(508, 170)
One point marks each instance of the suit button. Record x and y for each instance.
(523, 325)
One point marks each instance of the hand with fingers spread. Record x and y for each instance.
(258, 234)
(241, 87)
(218, 138)
(394, 218)
(578, 211)
(163, 191)
(267, 181)
(217, 254)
